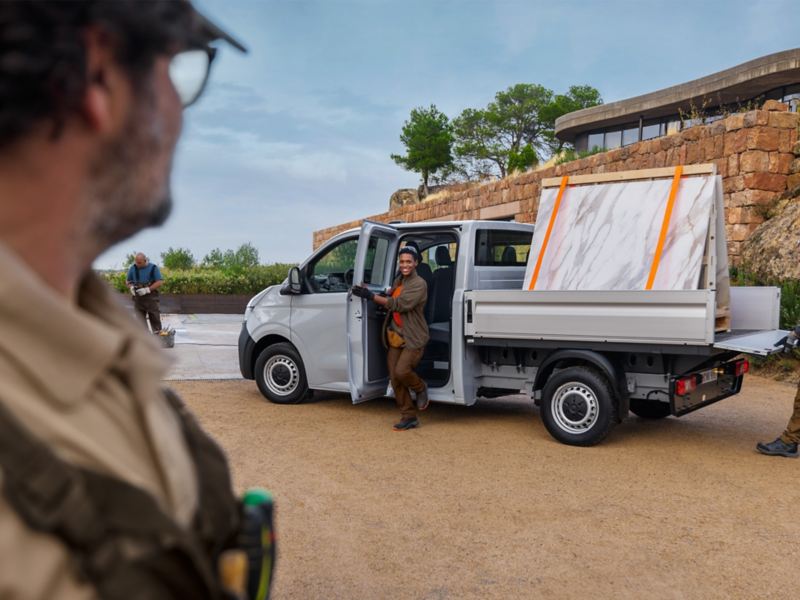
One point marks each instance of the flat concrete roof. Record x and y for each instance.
(737, 84)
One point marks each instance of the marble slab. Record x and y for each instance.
(605, 235)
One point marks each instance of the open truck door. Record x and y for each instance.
(366, 355)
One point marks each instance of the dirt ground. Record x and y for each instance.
(480, 502)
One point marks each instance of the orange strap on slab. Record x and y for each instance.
(553, 215)
(673, 192)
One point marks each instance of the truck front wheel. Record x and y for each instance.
(578, 406)
(280, 374)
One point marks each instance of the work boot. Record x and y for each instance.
(422, 398)
(778, 448)
(405, 424)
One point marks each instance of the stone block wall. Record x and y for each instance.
(755, 153)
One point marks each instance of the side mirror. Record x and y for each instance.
(293, 286)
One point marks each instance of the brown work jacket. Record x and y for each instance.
(410, 304)
(84, 379)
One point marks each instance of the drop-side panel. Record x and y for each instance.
(760, 343)
(684, 317)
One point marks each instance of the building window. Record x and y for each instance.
(673, 126)
(652, 129)
(595, 141)
(792, 97)
(613, 139)
(630, 135)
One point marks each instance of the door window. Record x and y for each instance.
(332, 271)
(375, 263)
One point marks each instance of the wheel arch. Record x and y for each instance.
(574, 358)
(265, 342)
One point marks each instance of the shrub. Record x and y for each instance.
(232, 261)
(569, 154)
(212, 281)
(177, 258)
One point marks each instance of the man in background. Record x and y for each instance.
(143, 280)
(110, 489)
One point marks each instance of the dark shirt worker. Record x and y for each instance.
(144, 279)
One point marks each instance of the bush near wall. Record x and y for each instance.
(212, 281)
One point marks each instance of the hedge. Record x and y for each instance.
(211, 281)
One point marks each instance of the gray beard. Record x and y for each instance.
(128, 192)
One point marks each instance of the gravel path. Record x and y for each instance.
(480, 502)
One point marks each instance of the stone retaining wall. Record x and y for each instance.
(753, 151)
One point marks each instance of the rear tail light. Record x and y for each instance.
(741, 367)
(684, 385)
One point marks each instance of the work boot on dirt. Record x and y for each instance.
(405, 424)
(778, 448)
(422, 398)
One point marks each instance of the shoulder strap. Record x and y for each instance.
(152, 275)
(217, 520)
(121, 539)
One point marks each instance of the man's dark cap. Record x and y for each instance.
(205, 31)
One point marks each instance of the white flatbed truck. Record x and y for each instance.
(585, 357)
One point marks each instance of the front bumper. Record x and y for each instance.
(247, 347)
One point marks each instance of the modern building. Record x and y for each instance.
(775, 76)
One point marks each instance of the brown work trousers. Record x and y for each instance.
(402, 362)
(792, 433)
(147, 308)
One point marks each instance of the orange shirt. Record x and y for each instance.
(398, 319)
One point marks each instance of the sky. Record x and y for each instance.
(296, 134)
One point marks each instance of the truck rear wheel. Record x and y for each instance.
(578, 406)
(280, 374)
(650, 409)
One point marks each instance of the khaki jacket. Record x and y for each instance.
(84, 379)
(410, 304)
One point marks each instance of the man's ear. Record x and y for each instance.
(108, 89)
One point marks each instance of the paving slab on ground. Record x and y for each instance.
(206, 346)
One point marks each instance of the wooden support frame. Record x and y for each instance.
(660, 173)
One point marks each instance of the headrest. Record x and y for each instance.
(509, 256)
(443, 256)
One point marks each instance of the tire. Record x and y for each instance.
(578, 406)
(650, 409)
(280, 374)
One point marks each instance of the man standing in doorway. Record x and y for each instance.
(143, 281)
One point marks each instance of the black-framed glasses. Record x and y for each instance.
(189, 70)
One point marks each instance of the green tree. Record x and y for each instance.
(428, 139)
(578, 97)
(214, 259)
(522, 160)
(129, 258)
(478, 147)
(516, 129)
(232, 261)
(245, 257)
(177, 258)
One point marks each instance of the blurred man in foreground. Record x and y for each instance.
(109, 487)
